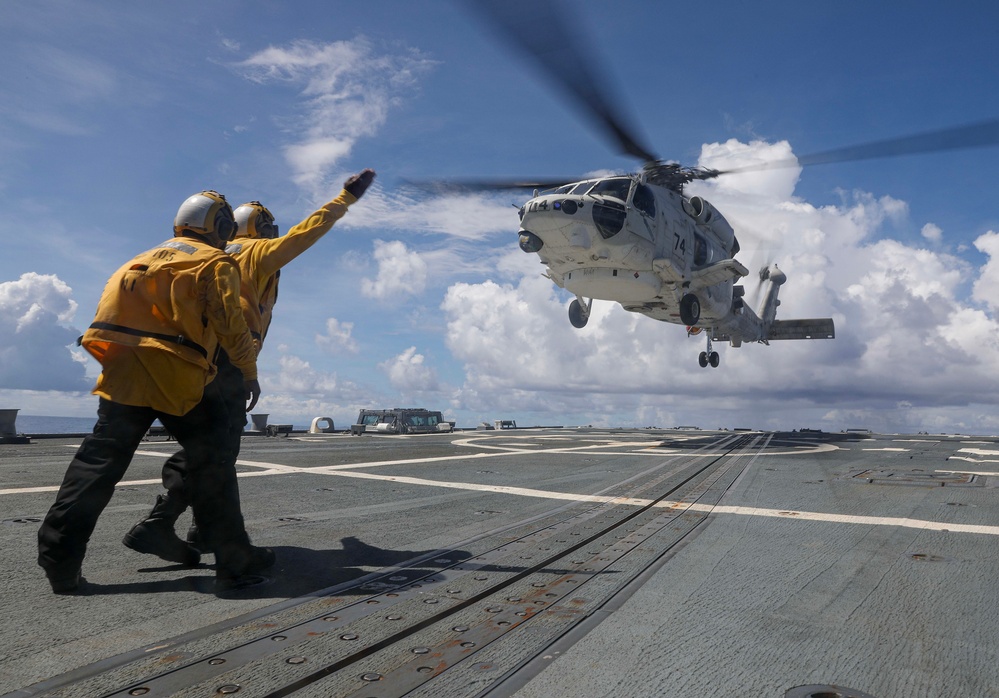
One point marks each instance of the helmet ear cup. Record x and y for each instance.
(225, 224)
(265, 226)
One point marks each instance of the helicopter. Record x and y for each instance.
(637, 239)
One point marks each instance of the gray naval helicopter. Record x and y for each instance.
(637, 239)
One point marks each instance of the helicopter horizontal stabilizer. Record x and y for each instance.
(815, 328)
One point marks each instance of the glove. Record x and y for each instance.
(359, 183)
(252, 390)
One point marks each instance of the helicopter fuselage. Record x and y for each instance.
(656, 252)
(624, 240)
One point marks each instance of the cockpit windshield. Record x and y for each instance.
(618, 187)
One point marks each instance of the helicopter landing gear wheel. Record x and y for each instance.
(690, 309)
(709, 357)
(579, 313)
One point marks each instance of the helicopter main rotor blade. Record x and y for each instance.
(539, 30)
(978, 135)
(493, 184)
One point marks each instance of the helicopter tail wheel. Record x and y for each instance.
(579, 314)
(702, 359)
(690, 309)
(713, 359)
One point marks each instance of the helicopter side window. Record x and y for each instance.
(617, 187)
(700, 250)
(644, 200)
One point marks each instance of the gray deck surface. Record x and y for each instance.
(800, 564)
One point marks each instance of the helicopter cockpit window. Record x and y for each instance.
(563, 190)
(617, 187)
(581, 188)
(644, 200)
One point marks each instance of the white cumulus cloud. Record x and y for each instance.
(401, 272)
(35, 337)
(932, 232)
(986, 288)
(346, 89)
(338, 337)
(409, 373)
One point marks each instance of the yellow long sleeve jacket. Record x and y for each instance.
(159, 322)
(260, 261)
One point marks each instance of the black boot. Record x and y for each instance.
(155, 536)
(66, 583)
(240, 567)
(196, 540)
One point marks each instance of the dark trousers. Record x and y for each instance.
(103, 458)
(231, 389)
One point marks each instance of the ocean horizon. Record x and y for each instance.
(37, 424)
(29, 424)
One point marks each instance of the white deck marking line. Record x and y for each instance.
(276, 469)
(865, 520)
(735, 510)
(498, 489)
(884, 449)
(978, 452)
(972, 472)
(132, 483)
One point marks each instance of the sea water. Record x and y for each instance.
(33, 424)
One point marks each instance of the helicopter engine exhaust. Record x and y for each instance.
(707, 215)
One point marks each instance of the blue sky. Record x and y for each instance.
(113, 113)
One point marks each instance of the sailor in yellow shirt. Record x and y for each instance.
(260, 254)
(162, 319)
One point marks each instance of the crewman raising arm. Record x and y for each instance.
(158, 325)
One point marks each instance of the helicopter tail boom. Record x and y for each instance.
(762, 326)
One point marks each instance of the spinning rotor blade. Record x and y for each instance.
(978, 135)
(540, 30)
(494, 184)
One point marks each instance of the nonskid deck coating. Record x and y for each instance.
(804, 574)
